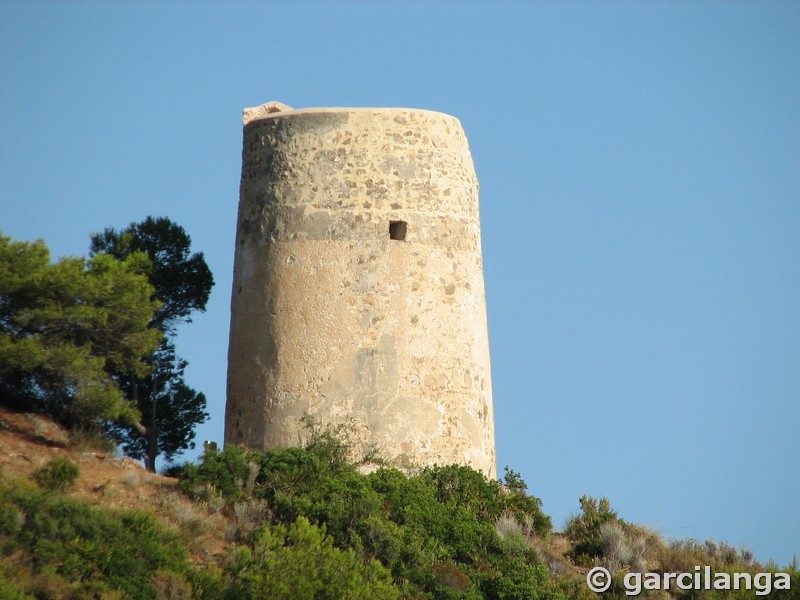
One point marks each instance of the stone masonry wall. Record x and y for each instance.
(331, 317)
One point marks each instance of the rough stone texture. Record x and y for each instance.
(258, 112)
(332, 318)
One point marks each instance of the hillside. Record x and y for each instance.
(29, 441)
(305, 523)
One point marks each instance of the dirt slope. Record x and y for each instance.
(28, 442)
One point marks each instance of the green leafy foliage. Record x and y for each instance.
(57, 475)
(600, 537)
(307, 524)
(182, 281)
(584, 529)
(67, 327)
(9, 591)
(518, 578)
(63, 544)
(169, 410)
(434, 531)
(300, 561)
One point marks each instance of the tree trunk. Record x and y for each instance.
(152, 439)
(152, 449)
(149, 433)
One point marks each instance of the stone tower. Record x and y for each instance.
(358, 292)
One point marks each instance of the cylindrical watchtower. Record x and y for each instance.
(358, 292)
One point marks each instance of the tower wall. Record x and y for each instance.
(333, 318)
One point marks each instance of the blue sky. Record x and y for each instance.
(640, 205)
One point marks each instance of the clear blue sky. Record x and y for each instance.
(640, 202)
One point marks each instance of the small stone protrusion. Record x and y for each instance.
(258, 112)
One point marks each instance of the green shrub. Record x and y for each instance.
(8, 591)
(171, 586)
(517, 579)
(526, 508)
(208, 583)
(442, 516)
(300, 561)
(449, 581)
(222, 470)
(81, 551)
(584, 529)
(57, 475)
(174, 469)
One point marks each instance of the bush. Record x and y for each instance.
(173, 470)
(449, 580)
(513, 536)
(527, 508)
(518, 579)
(58, 475)
(428, 530)
(171, 586)
(584, 529)
(11, 592)
(208, 583)
(300, 561)
(82, 552)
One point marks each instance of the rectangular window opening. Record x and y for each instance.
(397, 230)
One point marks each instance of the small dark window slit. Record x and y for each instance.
(397, 230)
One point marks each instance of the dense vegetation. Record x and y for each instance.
(90, 342)
(66, 327)
(56, 547)
(434, 532)
(306, 523)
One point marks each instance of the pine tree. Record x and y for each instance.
(169, 408)
(66, 328)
